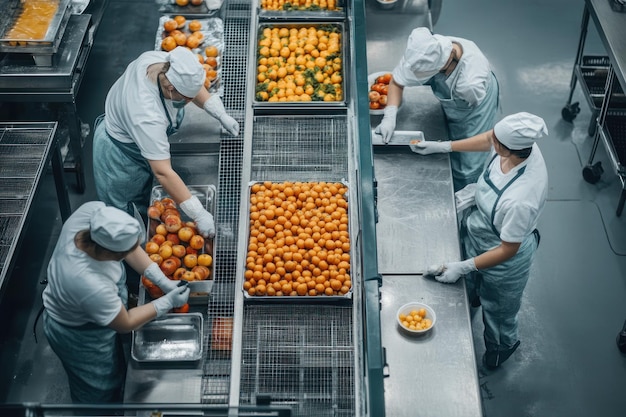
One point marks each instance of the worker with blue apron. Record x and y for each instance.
(500, 234)
(461, 79)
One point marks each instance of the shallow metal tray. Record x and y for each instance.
(260, 104)
(173, 338)
(304, 14)
(298, 299)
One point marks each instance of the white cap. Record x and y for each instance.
(424, 56)
(185, 73)
(520, 130)
(114, 229)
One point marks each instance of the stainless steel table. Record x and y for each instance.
(434, 374)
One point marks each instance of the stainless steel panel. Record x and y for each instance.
(433, 374)
(416, 217)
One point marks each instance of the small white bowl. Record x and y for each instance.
(387, 4)
(407, 308)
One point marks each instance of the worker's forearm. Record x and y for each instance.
(128, 320)
(394, 94)
(138, 260)
(478, 143)
(497, 255)
(170, 180)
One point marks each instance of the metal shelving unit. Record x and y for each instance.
(602, 79)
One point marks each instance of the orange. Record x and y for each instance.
(170, 25)
(180, 38)
(193, 42)
(211, 51)
(212, 61)
(182, 2)
(168, 44)
(180, 20)
(195, 26)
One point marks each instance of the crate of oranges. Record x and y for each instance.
(203, 36)
(301, 64)
(298, 242)
(177, 247)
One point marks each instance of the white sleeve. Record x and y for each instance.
(518, 222)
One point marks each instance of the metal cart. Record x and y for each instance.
(597, 76)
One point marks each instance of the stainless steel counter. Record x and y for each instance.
(434, 374)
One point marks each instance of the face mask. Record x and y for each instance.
(178, 104)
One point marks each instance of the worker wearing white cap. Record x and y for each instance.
(143, 107)
(460, 77)
(86, 299)
(499, 233)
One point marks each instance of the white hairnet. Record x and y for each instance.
(424, 56)
(114, 229)
(185, 73)
(520, 130)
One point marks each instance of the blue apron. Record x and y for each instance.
(464, 121)
(500, 287)
(122, 175)
(93, 357)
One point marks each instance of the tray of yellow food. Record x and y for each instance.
(298, 240)
(300, 65)
(205, 38)
(301, 9)
(33, 26)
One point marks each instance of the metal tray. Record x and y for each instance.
(47, 45)
(338, 26)
(213, 31)
(295, 12)
(172, 338)
(170, 6)
(284, 298)
(200, 290)
(198, 295)
(399, 137)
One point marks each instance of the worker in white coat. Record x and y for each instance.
(500, 234)
(86, 297)
(143, 107)
(461, 78)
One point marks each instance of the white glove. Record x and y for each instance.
(175, 298)
(464, 198)
(213, 4)
(154, 274)
(388, 124)
(427, 147)
(215, 108)
(204, 220)
(452, 271)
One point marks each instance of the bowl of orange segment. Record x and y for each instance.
(416, 318)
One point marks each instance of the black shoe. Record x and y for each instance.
(493, 359)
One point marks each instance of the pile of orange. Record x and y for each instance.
(378, 91)
(176, 246)
(299, 64)
(299, 243)
(176, 34)
(299, 4)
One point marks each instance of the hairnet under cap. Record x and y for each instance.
(520, 130)
(114, 229)
(185, 73)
